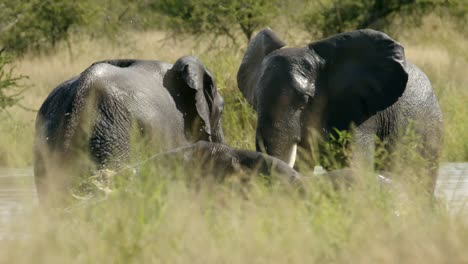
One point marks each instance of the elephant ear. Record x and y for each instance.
(208, 102)
(261, 45)
(363, 73)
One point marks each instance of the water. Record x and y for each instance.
(18, 194)
(452, 185)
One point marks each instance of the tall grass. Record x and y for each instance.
(158, 216)
(160, 220)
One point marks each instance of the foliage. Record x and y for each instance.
(327, 17)
(217, 18)
(9, 84)
(39, 25)
(336, 150)
(34, 24)
(42, 24)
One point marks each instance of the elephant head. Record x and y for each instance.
(200, 88)
(331, 83)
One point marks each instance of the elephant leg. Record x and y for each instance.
(40, 175)
(109, 141)
(363, 145)
(362, 150)
(52, 175)
(432, 149)
(431, 153)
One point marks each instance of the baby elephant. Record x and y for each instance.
(87, 121)
(221, 161)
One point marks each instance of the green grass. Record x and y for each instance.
(164, 217)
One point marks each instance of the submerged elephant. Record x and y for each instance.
(90, 117)
(360, 77)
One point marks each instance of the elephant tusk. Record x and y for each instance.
(292, 156)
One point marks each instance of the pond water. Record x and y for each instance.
(18, 194)
(452, 185)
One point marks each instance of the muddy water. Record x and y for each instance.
(18, 194)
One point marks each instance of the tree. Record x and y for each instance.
(41, 24)
(9, 84)
(327, 17)
(216, 17)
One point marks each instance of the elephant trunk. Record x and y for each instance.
(217, 135)
(285, 150)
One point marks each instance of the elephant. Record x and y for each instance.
(89, 120)
(221, 161)
(358, 81)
